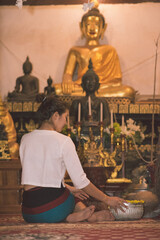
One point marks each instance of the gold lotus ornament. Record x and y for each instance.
(107, 160)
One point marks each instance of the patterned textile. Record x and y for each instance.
(13, 227)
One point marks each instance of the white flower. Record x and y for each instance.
(135, 128)
(85, 6)
(19, 3)
(107, 130)
(88, 6)
(125, 131)
(132, 127)
(73, 130)
(97, 138)
(85, 138)
(130, 121)
(142, 135)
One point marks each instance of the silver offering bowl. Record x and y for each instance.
(133, 212)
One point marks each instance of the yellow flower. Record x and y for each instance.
(135, 201)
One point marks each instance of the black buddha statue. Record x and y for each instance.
(27, 86)
(48, 90)
(90, 85)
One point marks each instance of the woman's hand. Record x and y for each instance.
(77, 192)
(116, 203)
(80, 194)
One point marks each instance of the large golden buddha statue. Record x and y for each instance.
(7, 121)
(104, 58)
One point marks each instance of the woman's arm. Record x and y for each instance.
(114, 202)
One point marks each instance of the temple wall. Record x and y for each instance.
(46, 33)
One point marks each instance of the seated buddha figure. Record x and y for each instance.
(27, 86)
(104, 58)
(49, 89)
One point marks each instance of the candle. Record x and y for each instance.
(79, 112)
(89, 105)
(111, 118)
(123, 122)
(101, 112)
(68, 123)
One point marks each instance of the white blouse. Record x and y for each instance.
(46, 155)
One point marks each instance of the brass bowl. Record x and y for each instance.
(133, 212)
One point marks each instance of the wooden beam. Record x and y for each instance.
(70, 2)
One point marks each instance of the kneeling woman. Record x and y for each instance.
(45, 156)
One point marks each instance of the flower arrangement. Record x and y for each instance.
(130, 130)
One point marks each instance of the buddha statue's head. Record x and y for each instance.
(90, 80)
(27, 66)
(93, 24)
(49, 81)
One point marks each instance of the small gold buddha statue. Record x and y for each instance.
(104, 58)
(7, 121)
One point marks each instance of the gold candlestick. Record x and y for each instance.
(89, 118)
(80, 150)
(112, 138)
(118, 143)
(101, 134)
(79, 130)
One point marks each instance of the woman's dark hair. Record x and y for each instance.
(49, 106)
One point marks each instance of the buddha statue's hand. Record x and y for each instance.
(67, 84)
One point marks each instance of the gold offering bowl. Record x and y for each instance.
(134, 211)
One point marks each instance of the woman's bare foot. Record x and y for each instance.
(104, 215)
(81, 215)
